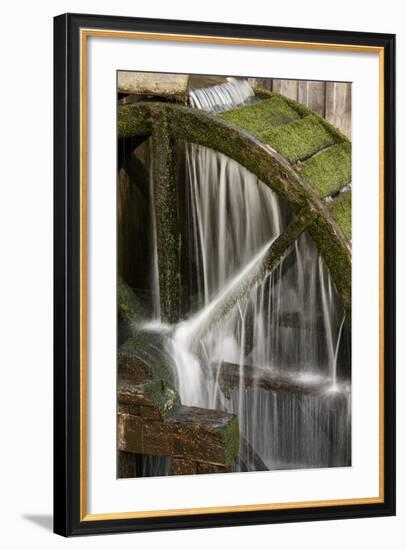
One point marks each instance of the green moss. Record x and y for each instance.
(130, 308)
(147, 350)
(163, 396)
(159, 395)
(336, 254)
(260, 116)
(232, 442)
(341, 212)
(329, 170)
(298, 140)
(165, 202)
(214, 132)
(263, 93)
(132, 121)
(303, 111)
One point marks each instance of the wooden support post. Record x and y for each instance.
(128, 465)
(165, 200)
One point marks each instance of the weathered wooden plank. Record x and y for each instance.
(265, 83)
(228, 375)
(156, 84)
(338, 105)
(289, 88)
(312, 94)
(144, 411)
(260, 116)
(191, 433)
(182, 466)
(207, 468)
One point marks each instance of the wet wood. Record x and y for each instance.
(165, 201)
(338, 105)
(250, 459)
(230, 375)
(128, 464)
(207, 468)
(182, 466)
(270, 167)
(331, 100)
(132, 218)
(190, 433)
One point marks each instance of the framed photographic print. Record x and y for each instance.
(224, 274)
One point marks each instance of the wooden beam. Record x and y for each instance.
(189, 433)
(229, 377)
(165, 202)
(153, 84)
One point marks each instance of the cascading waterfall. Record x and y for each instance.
(289, 324)
(222, 96)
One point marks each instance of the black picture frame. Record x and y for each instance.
(67, 380)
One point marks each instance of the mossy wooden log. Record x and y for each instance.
(165, 201)
(145, 385)
(189, 433)
(214, 132)
(208, 468)
(328, 171)
(336, 252)
(152, 420)
(341, 212)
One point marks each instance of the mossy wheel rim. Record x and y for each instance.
(293, 150)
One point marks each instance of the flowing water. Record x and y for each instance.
(288, 323)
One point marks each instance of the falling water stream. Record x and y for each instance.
(288, 324)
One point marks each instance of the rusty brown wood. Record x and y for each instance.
(189, 433)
